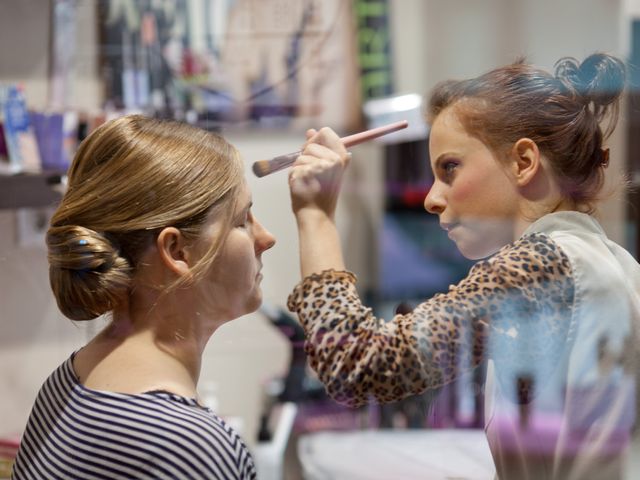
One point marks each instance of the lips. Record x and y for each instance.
(447, 227)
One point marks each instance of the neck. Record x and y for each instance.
(155, 342)
(541, 196)
(532, 211)
(174, 325)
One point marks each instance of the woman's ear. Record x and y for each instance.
(172, 249)
(526, 161)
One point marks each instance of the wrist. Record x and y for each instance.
(309, 216)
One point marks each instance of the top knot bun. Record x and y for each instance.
(599, 80)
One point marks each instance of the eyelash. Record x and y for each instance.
(245, 220)
(446, 167)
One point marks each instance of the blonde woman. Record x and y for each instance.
(155, 230)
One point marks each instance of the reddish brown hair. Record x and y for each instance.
(561, 112)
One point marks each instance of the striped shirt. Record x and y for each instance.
(74, 432)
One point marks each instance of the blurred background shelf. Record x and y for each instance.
(30, 190)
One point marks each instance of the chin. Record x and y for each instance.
(477, 238)
(472, 255)
(254, 303)
(476, 250)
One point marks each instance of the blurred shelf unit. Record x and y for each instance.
(30, 190)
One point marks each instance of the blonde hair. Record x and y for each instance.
(129, 179)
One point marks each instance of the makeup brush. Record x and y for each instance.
(266, 167)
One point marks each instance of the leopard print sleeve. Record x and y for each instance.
(526, 287)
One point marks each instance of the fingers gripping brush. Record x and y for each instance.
(266, 167)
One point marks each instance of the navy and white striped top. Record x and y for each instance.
(74, 432)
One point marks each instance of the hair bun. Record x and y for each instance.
(600, 78)
(88, 275)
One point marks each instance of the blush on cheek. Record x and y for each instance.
(464, 190)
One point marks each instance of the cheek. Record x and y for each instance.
(483, 194)
(233, 269)
(464, 189)
(236, 269)
(241, 263)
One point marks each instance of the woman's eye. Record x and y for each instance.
(245, 221)
(449, 167)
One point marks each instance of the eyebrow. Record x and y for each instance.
(444, 156)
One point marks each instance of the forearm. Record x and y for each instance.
(356, 355)
(319, 242)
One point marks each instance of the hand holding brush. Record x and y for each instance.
(266, 167)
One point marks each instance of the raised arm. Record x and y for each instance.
(315, 182)
(502, 310)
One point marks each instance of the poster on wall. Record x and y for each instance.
(274, 63)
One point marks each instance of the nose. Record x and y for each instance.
(435, 202)
(264, 240)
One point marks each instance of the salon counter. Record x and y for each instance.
(402, 454)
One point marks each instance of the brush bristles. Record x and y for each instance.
(266, 167)
(261, 168)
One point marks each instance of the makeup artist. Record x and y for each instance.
(519, 161)
(156, 231)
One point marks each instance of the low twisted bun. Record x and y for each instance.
(88, 275)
